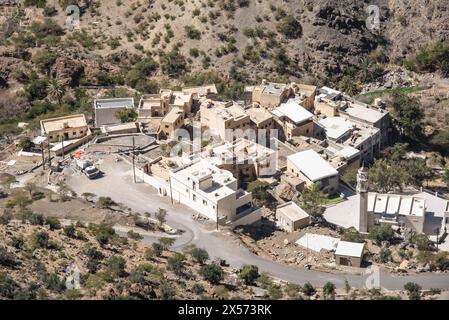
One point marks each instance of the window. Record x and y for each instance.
(205, 202)
(194, 197)
(74, 133)
(81, 132)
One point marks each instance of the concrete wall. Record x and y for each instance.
(288, 225)
(325, 109)
(348, 261)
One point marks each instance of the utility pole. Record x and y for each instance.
(171, 192)
(217, 215)
(43, 156)
(134, 160)
(62, 147)
(49, 154)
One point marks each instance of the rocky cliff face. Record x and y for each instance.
(246, 35)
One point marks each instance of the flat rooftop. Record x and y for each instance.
(292, 211)
(293, 111)
(274, 88)
(173, 115)
(114, 103)
(226, 110)
(363, 112)
(392, 204)
(350, 249)
(336, 127)
(312, 165)
(201, 168)
(318, 242)
(258, 114)
(61, 123)
(202, 90)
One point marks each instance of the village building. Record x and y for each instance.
(227, 120)
(261, 119)
(293, 120)
(122, 128)
(208, 91)
(290, 217)
(349, 253)
(177, 99)
(106, 110)
(305, 95)
(342, 133)
(202, 186)
(65, 128)
(247, 160)
(333, 103)
(152, 106)
(312, 168)
(420, 212)
(369, 116)
(159, 105)
(173, 121)
(269, 94)
(67, 132)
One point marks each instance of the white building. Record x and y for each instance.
(291, 217)
(212, 192)
(312, 168)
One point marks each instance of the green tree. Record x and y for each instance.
(417, 171)
(167, 292)
(313, 199)
(176, 263)
(212, 273)
(249, 274)
(259, 190)
(126, 115)
(44, 59)
(385, 177)
(413, 290)
(166, 242)
(56, 90)
(116, 266)
(40, 239)
(173, 63)
(290, 27)
(199, 255)
(25, 143)
(160, 216)
(381, 233)
(422, 242)
(408, 115)
(308, 289)
(329, 291)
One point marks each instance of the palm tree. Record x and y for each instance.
(313, 199)
(56, 90)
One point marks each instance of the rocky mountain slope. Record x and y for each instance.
(145, 45)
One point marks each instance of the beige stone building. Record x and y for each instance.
(67, 128)
(269, 94)
(171, 122)
(159, 105)
(290, 217)
(293, 120)
(228, 120)
(247, 160)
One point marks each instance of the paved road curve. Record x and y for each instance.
(117, 184)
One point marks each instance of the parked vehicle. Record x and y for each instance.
(87, 168)
(91, 172)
